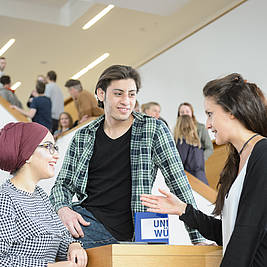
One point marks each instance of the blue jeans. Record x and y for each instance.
(95, 235)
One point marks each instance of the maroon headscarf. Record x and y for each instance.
(18, 141)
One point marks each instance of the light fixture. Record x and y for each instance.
(97, 17)
(15, 86)
(6, 46)
(90, 66)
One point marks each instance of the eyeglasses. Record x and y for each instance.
(51, 148)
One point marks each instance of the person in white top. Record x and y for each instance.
(237, 115)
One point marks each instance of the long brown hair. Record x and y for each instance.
(192, 110)
(186, 129)
(70, 120)
(245, 102)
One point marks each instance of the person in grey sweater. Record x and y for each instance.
(7, 93)
(53, 91)
(206, 144)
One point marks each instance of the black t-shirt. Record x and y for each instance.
(109, 184)
(43, 106)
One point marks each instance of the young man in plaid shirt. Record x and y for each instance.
(112, 161)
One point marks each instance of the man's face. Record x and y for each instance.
(119, 99)
(153, 111)
(2, 64)
(73, 92)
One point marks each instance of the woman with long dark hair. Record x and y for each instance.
(237, 115)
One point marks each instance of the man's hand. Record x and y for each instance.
(72, 221)
(77, 254)
(84, 118)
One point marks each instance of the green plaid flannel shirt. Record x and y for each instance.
(152, 147)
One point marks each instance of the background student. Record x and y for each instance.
(189, 147)
(206, 144)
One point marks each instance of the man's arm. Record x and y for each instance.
(48, 91)
(63, 191)
(30, 114)
(170, 164)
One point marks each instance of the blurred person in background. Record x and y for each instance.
(40, 108)
(53, 91)
(41, 78)
(7, 93)
(153, 109)
(189, 147)
(2, 65)
(85, 102)
(206, 144)
(65, 123)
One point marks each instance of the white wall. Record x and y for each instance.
(6, 117)
(237, 42)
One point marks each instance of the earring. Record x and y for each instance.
(27, 161)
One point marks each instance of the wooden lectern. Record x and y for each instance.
(135, 255)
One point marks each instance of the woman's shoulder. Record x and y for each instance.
(260, 148)
(6, 203)
(41, 192)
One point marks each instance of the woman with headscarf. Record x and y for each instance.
(31, 233)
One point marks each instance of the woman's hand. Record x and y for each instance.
(77, 254)
(169, 203)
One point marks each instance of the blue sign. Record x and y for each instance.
(151, 227)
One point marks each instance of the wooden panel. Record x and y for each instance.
(204, 190)
(154, 255)
(101, 256)
(168, 261)
(215, 164)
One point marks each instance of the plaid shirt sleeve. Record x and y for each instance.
(170, 164)
(63, 190)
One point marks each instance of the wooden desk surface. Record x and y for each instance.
(135, 255)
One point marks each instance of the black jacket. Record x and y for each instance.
(248, 244)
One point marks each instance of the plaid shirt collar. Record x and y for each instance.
(138, 117)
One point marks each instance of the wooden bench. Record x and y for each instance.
(135, 255)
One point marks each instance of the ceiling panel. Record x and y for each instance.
(130, 36)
